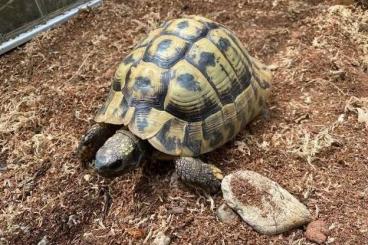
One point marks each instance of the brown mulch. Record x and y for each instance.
(245, 192)
(309, 143)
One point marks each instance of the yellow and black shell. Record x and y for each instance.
(187, 88)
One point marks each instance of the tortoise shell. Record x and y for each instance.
(187, 88)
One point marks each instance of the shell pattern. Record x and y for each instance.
(187, 88)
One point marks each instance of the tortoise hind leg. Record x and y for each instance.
(92, 140)
(195, 172)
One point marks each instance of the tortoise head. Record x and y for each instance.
(121, 153)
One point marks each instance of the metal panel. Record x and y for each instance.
(15, 14)
(20, 20)
(50, 6)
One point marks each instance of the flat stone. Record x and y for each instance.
(161, 239)
(226, 214)
(262, 203)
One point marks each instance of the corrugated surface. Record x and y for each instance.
(20, 20)
(17, 15)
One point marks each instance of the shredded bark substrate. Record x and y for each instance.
(52, 86)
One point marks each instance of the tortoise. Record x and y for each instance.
(185, 90)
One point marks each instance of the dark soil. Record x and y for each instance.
(310, 143)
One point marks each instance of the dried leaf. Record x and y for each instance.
(136, 233)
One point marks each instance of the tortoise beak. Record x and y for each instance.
(107, 166)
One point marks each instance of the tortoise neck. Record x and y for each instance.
(154, 154)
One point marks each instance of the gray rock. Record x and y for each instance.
(43, 241)
(263, 203)
(161, 239)
(226, 214)
(72, 221)
(177, 210)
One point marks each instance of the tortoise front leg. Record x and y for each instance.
(92, 140)
(195, 172)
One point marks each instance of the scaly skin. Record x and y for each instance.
(195, 172)
(115, 152)
(92, 140)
